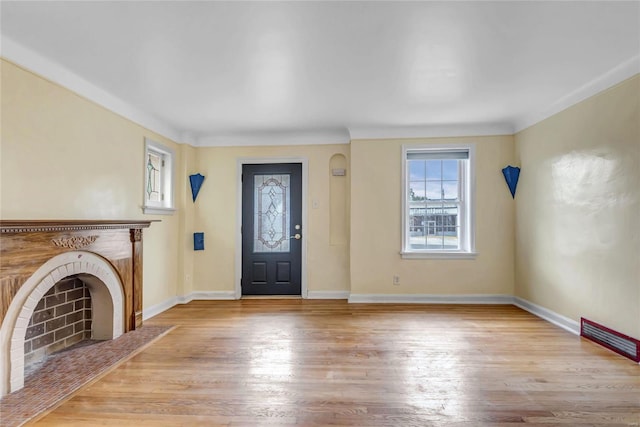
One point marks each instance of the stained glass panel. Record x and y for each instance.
(154, 162)
(271, 213)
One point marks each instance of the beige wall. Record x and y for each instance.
(64, 157)
(578, 210)
(376, 195)
(216, 215)
(578, 203)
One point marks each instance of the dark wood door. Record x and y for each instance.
(272, 229)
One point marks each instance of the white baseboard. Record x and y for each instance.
(430, 299)
(559, 320)
(211, 295)
(328, 295)
(154, 310)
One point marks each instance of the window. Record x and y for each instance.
(438, 203)
(158, 179)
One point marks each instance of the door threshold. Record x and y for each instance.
(271, 297)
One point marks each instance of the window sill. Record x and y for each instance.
(157, 210)
(438, 255)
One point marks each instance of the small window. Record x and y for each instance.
(158, 179)
(438, 202)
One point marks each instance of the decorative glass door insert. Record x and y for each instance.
(271, 213)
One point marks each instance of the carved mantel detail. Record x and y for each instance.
(74, 242)
(43, 226)
(136, 235)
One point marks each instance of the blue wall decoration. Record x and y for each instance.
(196, 182)
(511, 175)
(198, 241)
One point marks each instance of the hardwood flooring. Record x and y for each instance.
(314, 362)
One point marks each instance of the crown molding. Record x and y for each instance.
(618, 74)
(271, 138)
(431, 131)
(56, 73)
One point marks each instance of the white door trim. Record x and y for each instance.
(305, 175)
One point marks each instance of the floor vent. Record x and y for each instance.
(620, 343)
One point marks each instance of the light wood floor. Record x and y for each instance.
(310, 362)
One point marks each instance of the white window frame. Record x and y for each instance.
(166, 205)
(467, 248)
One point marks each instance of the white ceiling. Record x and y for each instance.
(220, 73)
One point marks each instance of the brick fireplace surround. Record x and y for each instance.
(35, 255)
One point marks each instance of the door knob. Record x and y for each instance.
(297, 236)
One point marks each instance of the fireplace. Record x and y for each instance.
(35, 255)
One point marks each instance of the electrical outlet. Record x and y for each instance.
(396, 280)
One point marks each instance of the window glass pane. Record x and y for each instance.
(271, 213)
(434, 190)
(430, 227)
(451, 238)
(450, 189)
(416, 190)
(450, 169)
(434, 170)
(417, 233)
(434, 241)
(416, 170)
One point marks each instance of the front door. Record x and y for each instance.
(272, 229)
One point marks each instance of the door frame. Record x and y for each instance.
(305, 174)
